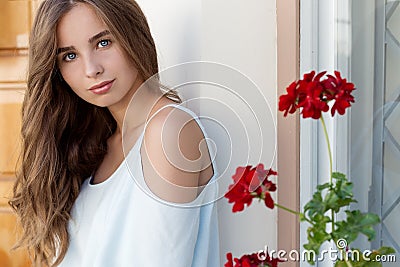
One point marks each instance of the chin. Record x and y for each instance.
(104, 101)
(99, 104)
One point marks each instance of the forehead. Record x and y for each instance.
(78, 25)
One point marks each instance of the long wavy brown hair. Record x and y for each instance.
(64, 139)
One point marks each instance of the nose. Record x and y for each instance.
(93, 67)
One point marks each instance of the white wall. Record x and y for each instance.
(241, 35)
(176, 28)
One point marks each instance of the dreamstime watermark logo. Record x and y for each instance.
(333, 255)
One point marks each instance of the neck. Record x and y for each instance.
(135, 107)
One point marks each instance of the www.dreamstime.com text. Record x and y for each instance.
(333, 255)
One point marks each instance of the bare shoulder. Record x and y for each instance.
(174, 154)
(172, 125)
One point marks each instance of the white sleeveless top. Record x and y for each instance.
(119, 222)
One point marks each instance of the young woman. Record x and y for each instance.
(80, 199)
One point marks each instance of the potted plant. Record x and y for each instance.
(313, 96)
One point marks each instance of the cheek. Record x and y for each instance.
(123, 63)
(131, 71)
(70, 75)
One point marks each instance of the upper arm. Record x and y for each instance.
(174, 153)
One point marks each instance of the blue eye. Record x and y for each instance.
(69, 56)
(103, 43)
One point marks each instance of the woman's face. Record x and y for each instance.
(90, 59)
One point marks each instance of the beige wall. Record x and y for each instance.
(14, 23)
(14, 26)
(288, 128)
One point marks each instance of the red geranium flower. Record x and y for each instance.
(251, 183)
(340, 91)
(251, 260)
(312, 95)
(239, 193)
(288, 102)
(229, 263)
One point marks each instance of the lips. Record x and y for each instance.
(102, 87)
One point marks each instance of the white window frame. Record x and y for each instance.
(325, 44)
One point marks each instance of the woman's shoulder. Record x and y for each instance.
(174, 153)
(175, 127)
(171, 119)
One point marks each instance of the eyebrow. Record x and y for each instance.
(91, 40)
(64, 49)
(98, 36)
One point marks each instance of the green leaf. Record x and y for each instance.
(340, 264)
(371, 264)
(331, 200)
(315, 205)
(335, 202)
(321, 187)
(356, 223)
(338, 176)
(386, 251)
(344, 189)
(316, 234)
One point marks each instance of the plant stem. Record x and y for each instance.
(344, 257)
(287, 209)
(330, 165)
(301, 215)
(348, 263)
(329, 148)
